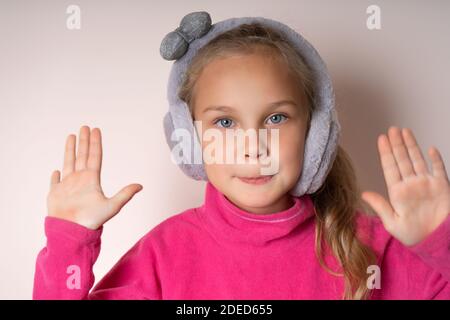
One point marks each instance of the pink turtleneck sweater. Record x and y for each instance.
(218, 251)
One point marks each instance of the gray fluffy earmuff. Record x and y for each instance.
(321, 143)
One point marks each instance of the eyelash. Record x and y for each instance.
(276, 114)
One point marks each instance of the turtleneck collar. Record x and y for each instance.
(228, 222)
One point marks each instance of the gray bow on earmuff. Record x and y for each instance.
(321, 143)
(192, 26)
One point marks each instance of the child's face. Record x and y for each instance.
(247, 84)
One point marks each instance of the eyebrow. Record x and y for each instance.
(272, 105)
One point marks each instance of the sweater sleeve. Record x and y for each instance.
(421, 271)
(64, 268)
(435, 252)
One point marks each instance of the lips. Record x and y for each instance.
(256, 180)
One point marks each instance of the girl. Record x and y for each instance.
(252, 238)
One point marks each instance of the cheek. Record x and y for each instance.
(215, 170)
(292, 143)
(291, 148)
(214, 149)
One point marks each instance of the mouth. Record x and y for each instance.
(256, 180)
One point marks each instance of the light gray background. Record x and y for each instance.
(109, 74)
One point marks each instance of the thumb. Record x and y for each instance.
(124, 195)
(382, 207)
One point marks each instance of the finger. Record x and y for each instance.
(400, 152)
(55, 178)
(123, 196)
(381, 206)
(69, 156)
(95, 151)
(437, 163)
(388, 163)
(415, 153)
(83, 148)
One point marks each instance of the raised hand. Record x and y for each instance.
(419, 201)
(78, 197)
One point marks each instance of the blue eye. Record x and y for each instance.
(224, 122)
(277, 118)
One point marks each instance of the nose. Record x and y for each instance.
(248, 155)
(257, 146)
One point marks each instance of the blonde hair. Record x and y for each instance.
(337, 200)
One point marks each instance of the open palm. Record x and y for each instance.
(78, 196)
(419, 201)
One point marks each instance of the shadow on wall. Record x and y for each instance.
(366, 110)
